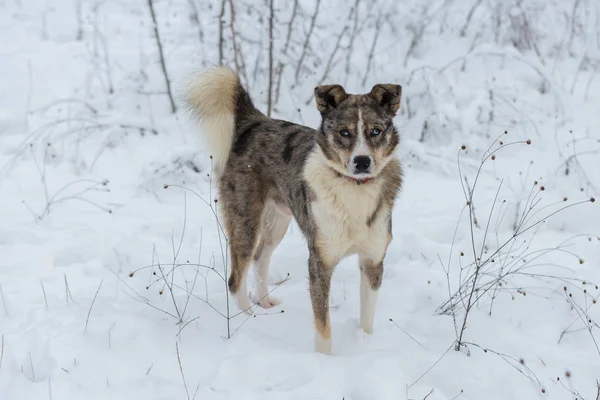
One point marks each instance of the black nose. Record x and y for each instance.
(362, 163)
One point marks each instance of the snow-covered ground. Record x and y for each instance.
(86, 127)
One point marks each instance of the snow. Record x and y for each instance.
(77, 113)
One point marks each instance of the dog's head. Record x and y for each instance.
(358, 136)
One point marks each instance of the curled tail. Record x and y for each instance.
(220, 102)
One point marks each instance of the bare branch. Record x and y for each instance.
(221, 29)
(270, 87)
(281, 66)
(372, 51)
(163, 64)
(307, 40)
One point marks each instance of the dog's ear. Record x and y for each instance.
(387, 95)
(329, 97)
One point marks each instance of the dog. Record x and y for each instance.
(338, 182)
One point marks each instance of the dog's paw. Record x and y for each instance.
(243, 303)
(322, 345)
(367, 328)
(269, 301)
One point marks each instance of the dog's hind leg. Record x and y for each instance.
(244, 230)
(275, 222)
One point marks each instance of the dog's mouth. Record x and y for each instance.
(356, 178)
(361, 174)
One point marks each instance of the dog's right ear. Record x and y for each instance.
(329, 97)
(387, 95)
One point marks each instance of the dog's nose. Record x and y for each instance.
(362, 163)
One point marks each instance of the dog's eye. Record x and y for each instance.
(375, 132)
(345, 133)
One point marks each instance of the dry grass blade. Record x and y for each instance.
(4, 301)
(433, 366)
(91, 306)
(181, 370)
(2, 352)
(406, 333)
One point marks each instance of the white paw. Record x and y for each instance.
(243, 302)
(367, 327)
(322, 345)
(269, 301)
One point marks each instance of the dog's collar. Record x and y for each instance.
(358, 181)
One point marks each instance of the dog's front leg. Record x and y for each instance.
(319, 274)
(370, 281)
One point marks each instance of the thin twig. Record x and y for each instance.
(92, 305)
(234, 37)
(353, 36)
(2, 352)
(307, 40)
(463, 30)
(433, 366)
(512, 361)
(181, 370)
(67, 291)
(281, 66)
(270, 86)
(372, 50)
(4, 301)
(163, 64)
(329, 65)
(406, 333)
(221, 31)
(44, 291)
(31, 364)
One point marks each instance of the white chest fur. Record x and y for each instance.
(341, 212)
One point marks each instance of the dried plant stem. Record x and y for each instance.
(463, 30)
(331, 59)
(372, 50)
(44, 291)
(195, 19)
(234, 37)
(163, 64)
(4, 301)
(2, 352)
(433, 366)
(91, 306)
(471, 205)
(270, 87)
(353, 35)
(181, 370)
(67, 291)
(281, 66)
(31, 365)
(307, 40)
(512, 361)
(406, 333)
(165, 280)
(221, 31)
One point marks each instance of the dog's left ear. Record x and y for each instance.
(387, 95)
